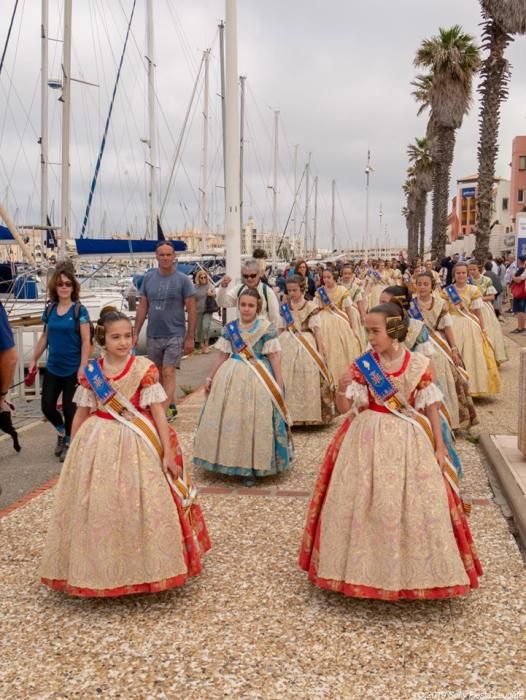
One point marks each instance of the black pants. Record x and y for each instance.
(52, 386)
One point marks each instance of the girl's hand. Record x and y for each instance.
(457, 359)
(80, 373)
(441, 454)
(208, 385)
(169, 465)
(344, 381)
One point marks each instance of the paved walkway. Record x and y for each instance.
(251, 626)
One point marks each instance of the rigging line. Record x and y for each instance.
(181, 137)
(344, 217)
(291, 210)
(11, 84)
(252, 142)
(103, 144)
(8, 36)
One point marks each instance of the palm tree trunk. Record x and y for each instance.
(410, 222)
(493, 89)
(441, 178)
(422, 207)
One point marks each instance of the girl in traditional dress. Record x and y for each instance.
(378, 280)
(469, 330)
(243, 430)
(491, 322)
(340, 341)
(446, 359)
(117, 527)
(348, 280)
(384, 521)
(418, 339)
(308, 384)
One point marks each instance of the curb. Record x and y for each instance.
(515, 498)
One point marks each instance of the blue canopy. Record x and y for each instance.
(5, 234)
(114, 246)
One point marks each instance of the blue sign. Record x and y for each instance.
(468, 192)
(521, 246)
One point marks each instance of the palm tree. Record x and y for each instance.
(409, 211)
(500, 21)
(452, 59)
(421, 167)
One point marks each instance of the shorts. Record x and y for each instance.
(518, 306)
(6, 334)
(165, 352)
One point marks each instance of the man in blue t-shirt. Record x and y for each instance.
(8, 358)
(165, 295)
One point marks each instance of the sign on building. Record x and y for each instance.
(521, 233)
(468, 192)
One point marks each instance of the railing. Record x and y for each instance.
(25, 341)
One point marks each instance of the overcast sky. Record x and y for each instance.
(337, 71)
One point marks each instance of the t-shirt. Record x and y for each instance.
(6, 334)
(166, 296)
(64, 343)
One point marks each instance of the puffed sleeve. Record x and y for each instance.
(151, 388)
(477, 303)
(314, 321)
(223, 345)
(84, 397)
(270, 346)
(357, 390)
(346, 303)
(427, 393)
(445, 321)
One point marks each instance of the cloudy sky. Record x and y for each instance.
(337, 71)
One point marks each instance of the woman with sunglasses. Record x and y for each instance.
(67, 339)
(203, 291)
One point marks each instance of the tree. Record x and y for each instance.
(501, 19)
(409, 211)
(452, 59)
(421, 166)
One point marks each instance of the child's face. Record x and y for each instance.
(248, 308)
(118, 339)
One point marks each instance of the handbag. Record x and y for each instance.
(211, 306)
(518, 289)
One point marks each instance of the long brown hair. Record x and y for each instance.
(63, 270)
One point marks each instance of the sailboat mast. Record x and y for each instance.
(333, 217)
(204, 183)
(232, 231)
(242, 79)
(275, 190)
(221, 26)
(307, 188)
(295, 205)
(315, 228)
(152, 124)
(65, 203)
(44, 135)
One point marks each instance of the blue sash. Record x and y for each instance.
(324, 296)
(287, 315)
(234, 334)
(98, 382)
(379, 382)
(453, 295)
(415, 312)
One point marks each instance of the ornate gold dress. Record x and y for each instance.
(491, 322)
(383, 522)
(477, 353)
(116, 527)
(356, 294)
(456, 393)
(341, 343)
(307, 393)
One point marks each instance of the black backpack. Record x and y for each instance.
(76, 315)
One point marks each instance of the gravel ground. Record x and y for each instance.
(251, 626)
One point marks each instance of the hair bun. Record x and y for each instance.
(103, 312)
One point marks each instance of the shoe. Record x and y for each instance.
(63, 453)
(171, 412)
(61, 441)
(517, 331)
(249, 481)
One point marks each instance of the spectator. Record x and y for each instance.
(204, 296)
(251, 275)
(519, 302)
(67, 339)
(301, 268)
(8, 358)
(165, 294)
(494, 266)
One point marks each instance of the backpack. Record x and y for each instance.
(76, 315)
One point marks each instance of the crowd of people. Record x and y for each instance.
(401, 351)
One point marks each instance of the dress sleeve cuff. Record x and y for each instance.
(429, 395)
(358, 394)
(314, 321)
(223, 345)
(84, 397)
(152, 394)
(445, 322)
(271, 346)
(477, 304)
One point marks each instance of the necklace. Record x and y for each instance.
(394, 361)
(114, 370)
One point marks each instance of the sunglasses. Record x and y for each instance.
(250, 277)
(64, 284)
